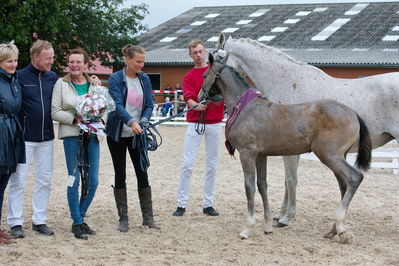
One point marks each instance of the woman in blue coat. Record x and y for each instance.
(131, 91)
(12, 148)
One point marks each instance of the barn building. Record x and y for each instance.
(346, 40)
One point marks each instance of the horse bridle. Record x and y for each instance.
(214, 93)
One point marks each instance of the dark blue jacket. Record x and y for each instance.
(37, 91)
(118, 90)
(12, 146)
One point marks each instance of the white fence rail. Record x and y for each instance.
(383, 157)
(177, 121)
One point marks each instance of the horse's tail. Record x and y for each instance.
(363, 159)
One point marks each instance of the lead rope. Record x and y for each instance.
(200, 125)
(148, 139)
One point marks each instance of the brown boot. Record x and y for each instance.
(4, 235)
(5, 241)
(146, 207)
(121, 205)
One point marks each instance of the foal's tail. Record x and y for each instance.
(363, 159)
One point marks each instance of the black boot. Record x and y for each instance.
(146, 207)
(121, 205)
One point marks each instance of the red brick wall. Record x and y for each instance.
(169, 74)
(356, 72)
(172, 74)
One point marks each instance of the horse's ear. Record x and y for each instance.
(221, 41)
(210, 59)
(224, 58)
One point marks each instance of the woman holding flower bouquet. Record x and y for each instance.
(131, 90)
(63, 109)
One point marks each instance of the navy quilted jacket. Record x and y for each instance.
(12, 146)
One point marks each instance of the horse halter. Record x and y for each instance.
(214, 93)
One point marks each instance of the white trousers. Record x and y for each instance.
(191, 147)
(42, 153)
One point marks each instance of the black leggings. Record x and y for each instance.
(3, 184)
(118, 154)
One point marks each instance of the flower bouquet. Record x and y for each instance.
(92, 106)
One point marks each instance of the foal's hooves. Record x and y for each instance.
(243, 236)
(277, 217)
(345, 237)
(330, 235)
(281, 225)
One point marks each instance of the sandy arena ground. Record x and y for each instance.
(196, 239)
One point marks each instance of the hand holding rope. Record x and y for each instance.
(147, 139)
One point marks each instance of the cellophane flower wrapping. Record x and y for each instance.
(92, 106)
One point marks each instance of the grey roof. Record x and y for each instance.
(365, 34)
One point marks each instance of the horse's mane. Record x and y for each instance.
(270, 48)
(239, 75)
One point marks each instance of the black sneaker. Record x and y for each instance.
(179, 211)
(42, 229)
(79, 231)
(17, 231)
(88, 230)
(210, 211)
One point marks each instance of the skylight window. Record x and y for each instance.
(168, 39)
(390, 50)
(330, 29)
(303, 13)
(266, 38)
(360, 49)
(320, 9)
(314, 49)
(198, 23)
(291, 21)
(356, 9)
(230, 29)
(320, 38)
(213, 39)
(396, 28)
(391, 38)
(244, 21)
(259, 13)
(279, 29)
(184, 30)
(212, 15)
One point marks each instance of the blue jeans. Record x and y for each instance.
(78, 208)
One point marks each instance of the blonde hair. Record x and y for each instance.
(8, 50)
(131, 50)
(194, 43)
(38, 46)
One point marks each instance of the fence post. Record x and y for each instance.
(395, 161)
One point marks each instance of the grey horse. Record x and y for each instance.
(264, 128)
(285, 80)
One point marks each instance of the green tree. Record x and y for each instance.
(101, 27)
